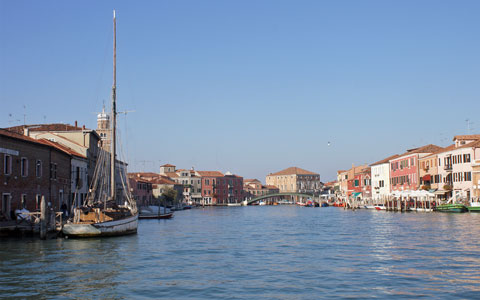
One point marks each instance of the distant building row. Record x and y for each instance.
(453, 171)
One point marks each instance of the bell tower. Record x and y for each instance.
(103, 128)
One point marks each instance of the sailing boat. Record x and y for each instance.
(101, 214)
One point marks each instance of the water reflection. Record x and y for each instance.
(256, 252)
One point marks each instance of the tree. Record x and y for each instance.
(169, 195)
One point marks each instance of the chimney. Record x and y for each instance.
(76, 124)
(26, 131)
(83, 127)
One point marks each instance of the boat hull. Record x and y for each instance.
(452, 208)
(110, 228)
(155, 216)
(474, 209)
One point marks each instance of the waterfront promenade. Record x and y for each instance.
(262, 252)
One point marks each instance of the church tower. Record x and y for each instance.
(103, 128)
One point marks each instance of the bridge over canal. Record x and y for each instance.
(280, 195)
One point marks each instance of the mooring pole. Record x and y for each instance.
(43, 219)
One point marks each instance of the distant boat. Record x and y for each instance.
(380, 207)
(452, 208)
(156, 216)
(234, 204)
(155, 212)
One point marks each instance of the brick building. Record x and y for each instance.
(30, 169)
(219, 189)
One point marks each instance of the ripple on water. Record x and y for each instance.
(280, 252)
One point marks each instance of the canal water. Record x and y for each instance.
(262, 252)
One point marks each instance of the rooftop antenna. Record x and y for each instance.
(24, 115)
(468, 126)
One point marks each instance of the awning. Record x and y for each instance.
(427, 177)
(356, 194)
(440, 192)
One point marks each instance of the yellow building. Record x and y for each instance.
(295, 180)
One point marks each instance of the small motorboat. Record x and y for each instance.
(156, 216)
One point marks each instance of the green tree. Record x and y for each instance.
(169, 195)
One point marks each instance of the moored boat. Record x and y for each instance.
(101, 213)
(156, 216)
(452, 208)
(474, 207)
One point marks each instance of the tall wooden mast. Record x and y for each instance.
(114, 112)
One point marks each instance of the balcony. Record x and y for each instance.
(447, 167)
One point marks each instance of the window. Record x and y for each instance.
(466, 158)
(356, 182)
(24, 201)
(38, 168)
(53, 171)
(24, 167)
(7, 165)
(468, 176)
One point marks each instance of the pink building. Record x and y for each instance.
(219, 189)
(141, 189)
(404, 170)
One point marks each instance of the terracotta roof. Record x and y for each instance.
(292, 171)
(162, 180)
(365, 169)
(250, 180)
(43, 142)
(151, 177)
(467, 137)
(20, 136)
(384, 161)
(475, 144)
(448, 148)
(341, 171)
(172, 174)
(168, 165)
(62, 148)
(425, 149)
(44, 127)
(210, 173)
(272, 187)
(144, 174)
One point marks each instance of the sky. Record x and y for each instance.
(250, 87)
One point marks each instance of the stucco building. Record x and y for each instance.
(295, 180)
(404, 170)
(380, 172)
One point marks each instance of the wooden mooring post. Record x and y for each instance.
(43, 219)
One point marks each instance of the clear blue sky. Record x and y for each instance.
(250, 87)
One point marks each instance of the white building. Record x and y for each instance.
(455, 167)
(380, 172)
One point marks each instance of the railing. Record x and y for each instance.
(34, 218)
(447, 167)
